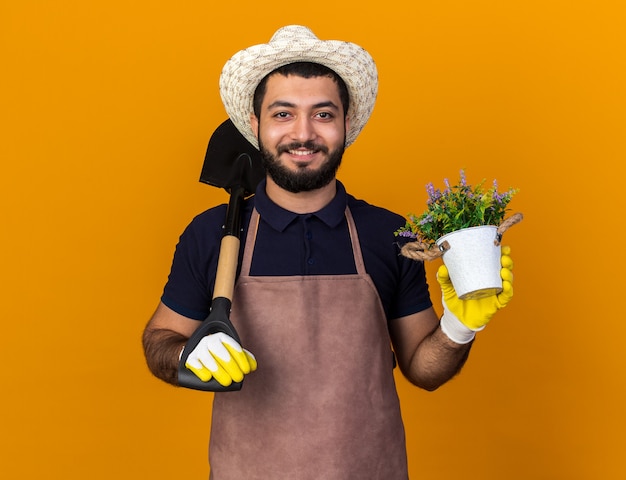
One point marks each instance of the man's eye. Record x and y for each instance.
(281, 115)
(325, 115)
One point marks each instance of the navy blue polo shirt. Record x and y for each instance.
(299, 244)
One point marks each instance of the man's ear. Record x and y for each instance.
(254, 123)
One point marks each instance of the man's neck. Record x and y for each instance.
(303, 202)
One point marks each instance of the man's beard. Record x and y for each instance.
(303, 180)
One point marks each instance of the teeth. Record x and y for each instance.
(301, 152)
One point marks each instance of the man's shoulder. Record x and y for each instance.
(211, 221)
(217, 213)
(364, 210)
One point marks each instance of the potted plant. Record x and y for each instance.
(464, 225)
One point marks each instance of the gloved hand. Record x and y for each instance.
(219, 356)
(463, 318)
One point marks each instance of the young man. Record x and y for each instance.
(322, 291)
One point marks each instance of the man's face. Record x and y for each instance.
(301, 131)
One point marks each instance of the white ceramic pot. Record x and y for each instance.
(473, 261)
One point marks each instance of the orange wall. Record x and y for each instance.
(106, 110)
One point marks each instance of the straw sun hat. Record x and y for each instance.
(245, 70)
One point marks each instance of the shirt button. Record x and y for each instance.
(309, 235)
(310, 261)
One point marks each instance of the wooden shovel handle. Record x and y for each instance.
(227, 267)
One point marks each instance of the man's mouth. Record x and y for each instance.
(301, 152)
(302, 149)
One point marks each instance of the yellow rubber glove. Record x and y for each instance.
(462, 318)
(219, 356)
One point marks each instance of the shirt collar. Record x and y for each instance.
(280, 218)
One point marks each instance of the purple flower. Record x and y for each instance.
(433, 194)
(427, 219)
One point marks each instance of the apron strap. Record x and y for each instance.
(254, 227)
(249, 245)
(356, 245)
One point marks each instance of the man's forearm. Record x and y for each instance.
(162, 348)
(437, 360)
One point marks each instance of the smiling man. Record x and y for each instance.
(323, 300)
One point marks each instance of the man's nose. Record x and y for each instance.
(303, 129)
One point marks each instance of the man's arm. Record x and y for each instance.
(431, 351)
(426, 356)
(163, 339)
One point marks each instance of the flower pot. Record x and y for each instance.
(473, 261)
